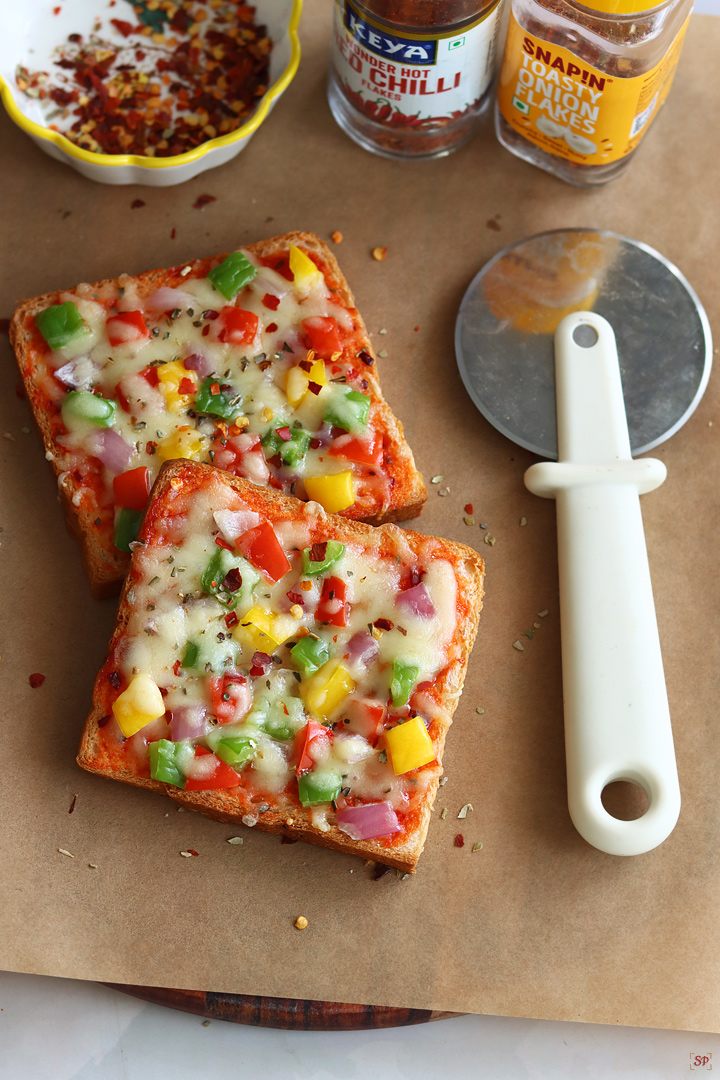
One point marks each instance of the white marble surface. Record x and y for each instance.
(60, 1029)
(57, 1029)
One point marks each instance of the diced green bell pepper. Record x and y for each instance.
(315, 788)
(93, 409)
(190, 656)
(232, 275)
(127, 526)
(209, 654)
(292, 450)
(404, 678)
(226, 404)
(310, 654)
(235, 750)
(333, 551)
(163, 762)
(270, 716)
(220, 565)
(348, 411)
(60, 324)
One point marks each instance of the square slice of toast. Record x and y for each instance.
(284, 668)
(257, 361)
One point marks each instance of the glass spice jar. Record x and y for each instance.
(411, 78)
(579, 86)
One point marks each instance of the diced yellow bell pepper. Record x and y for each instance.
(304, 269)
(334, 492)
(326, 690)
(298, 380)
(296, 385)
(264, 630)
(409, 745)
(138, 705)
(183, 443)
(169, 378)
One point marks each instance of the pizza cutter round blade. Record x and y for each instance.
(505, 326)
(560, 358)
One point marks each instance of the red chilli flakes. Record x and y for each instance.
(185, 73)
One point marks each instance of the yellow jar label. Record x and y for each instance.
(571, 109)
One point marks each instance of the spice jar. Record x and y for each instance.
(410, 78)
(579, 86)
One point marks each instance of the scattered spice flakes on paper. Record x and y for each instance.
(301, 922)
(437, 479)
(542, 614)
(189, 854)
(459, 840)
(236, 840)
(36, 679)
(523, 521)
(336, 237)
(463, 812)
(63, 851)
(479, 709)
(136, 204)
(478, 846)
(519, 646)
(379, 253)
(204, 200)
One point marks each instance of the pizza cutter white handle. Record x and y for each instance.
(617, 720)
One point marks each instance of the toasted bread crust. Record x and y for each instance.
(297, 821)
(106, 567)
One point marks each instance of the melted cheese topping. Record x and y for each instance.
(171, 611)
(183, 323)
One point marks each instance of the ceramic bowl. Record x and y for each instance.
(32, 29)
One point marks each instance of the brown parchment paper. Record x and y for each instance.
(537, 923)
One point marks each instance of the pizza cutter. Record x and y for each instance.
(586, 347)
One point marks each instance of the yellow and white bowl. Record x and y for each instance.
(32, 31)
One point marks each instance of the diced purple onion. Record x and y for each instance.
(362, 647)
(167, 299)
(114, 452)
(416, 601)
(368, 821)
(200, 364)
(322, 437)
(189, 722)
(69, 375)
(233, 523)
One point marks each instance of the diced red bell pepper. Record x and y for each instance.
(270, 301)
(365, 453)
(367, 718)
(122, 400)
(230, 696)
(331, 608)
(131, 489)
(186, 387)
(222, 775)
(324, 335)
(151, 374)
(126, 327)
(261, 547)
(238, 327)
(304, 737)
